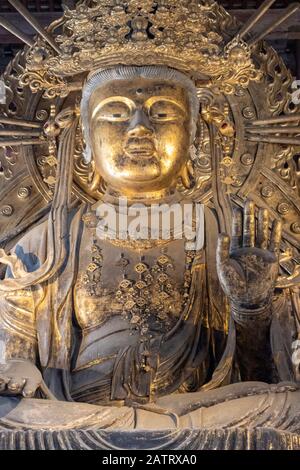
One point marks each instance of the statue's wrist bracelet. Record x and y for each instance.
(242, 314)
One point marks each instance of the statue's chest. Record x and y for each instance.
(147, 292)
(125, 303)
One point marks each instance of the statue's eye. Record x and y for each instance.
(116, 111)
(164, 111)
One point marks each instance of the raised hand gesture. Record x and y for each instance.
(248, 263)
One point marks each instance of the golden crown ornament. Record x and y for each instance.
(188, 35)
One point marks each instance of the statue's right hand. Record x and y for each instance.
(19, 377)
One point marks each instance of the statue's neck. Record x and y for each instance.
(156, 197)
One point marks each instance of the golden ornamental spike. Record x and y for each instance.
(20, 143)
(282, 18)
(16, 32)
(275, 120)
(273, 140)
(19, 122)
(19, 133)
(35, 24)
(255, 18)
(273, 130)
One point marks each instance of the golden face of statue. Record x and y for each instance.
(140, 134)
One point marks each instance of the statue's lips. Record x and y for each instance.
(141, 147)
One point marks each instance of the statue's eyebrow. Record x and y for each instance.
(131, 104)
(154, 99)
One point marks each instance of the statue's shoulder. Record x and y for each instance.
(31, 248)
(34, 242)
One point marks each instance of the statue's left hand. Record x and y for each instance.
(19, 377)
(248, 264)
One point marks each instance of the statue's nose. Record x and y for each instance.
(140, 125)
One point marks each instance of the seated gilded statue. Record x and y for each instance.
(118, 326)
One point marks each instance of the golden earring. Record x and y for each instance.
(187, 174)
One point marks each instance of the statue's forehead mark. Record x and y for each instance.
(145, 88)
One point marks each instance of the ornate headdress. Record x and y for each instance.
(188, 35)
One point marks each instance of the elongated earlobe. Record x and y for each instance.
(96, 181)
(87, 154)
(186, 176)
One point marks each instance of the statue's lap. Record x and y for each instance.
(246, 411)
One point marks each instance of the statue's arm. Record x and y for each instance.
(18, 333)
(253, 345)
(17, 315)
(19, 374)
(18, 345)
(18, 336)
(248, 268)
